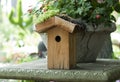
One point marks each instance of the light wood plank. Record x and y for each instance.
(54, 21)
(66, 25)
(42, 27)
(58, 52)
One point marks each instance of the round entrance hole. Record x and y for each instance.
(58, 38)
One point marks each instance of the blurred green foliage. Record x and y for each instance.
(17, 34)
(19, 19)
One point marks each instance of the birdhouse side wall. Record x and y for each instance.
(72, 49)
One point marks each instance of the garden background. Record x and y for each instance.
(17, 43)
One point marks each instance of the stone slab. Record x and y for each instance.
(103, 70)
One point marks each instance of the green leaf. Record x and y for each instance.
(113, 18)
(117, 7)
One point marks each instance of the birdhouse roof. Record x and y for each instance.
(55, 21)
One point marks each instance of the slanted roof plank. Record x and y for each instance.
(55, 21)
(66, 25)
(42, 27)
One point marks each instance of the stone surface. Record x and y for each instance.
(89, 45)
(100, 71)
(107, 50)
(91, 41)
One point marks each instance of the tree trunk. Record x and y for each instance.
(107, 50)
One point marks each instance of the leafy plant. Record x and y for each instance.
(95, 11)
(19, 20)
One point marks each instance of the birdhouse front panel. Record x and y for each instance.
(58, 49)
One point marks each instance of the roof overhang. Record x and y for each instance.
(55, 21)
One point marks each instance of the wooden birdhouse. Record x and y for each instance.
(61, 42)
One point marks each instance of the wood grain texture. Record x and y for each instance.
(72, 50)
(42, 27)
(54, 21)
(60, 54)
(66, 25)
